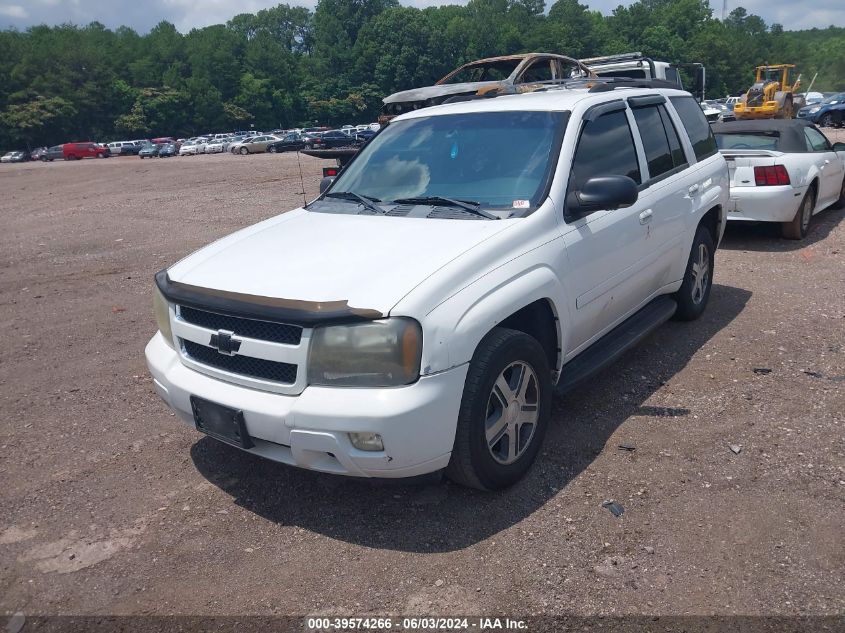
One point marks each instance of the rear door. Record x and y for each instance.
(607, 251)
(667, 188)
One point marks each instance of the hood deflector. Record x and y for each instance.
(305, 313)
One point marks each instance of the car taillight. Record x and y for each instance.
(771, 175)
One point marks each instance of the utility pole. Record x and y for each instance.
(724, 9)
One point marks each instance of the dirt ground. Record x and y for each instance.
(734, 496)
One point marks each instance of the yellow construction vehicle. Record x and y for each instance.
(771, 96)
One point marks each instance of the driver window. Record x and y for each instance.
(606, 148)
(816, 142)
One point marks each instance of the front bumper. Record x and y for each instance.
(765, 204)
(416, 422)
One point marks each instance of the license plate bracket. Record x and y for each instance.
(221, 422)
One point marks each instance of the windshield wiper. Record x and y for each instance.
(365, 201)
(467, 205)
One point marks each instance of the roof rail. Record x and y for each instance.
(605, 84)
(607, 59)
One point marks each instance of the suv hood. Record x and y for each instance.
(444, 90)
(369, 262)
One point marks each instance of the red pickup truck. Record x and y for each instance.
(87, 149)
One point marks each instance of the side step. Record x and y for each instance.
(615, 343)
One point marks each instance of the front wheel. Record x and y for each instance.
(244, 151)
(504, 412)
(827, 120)
(272, 149)
(694, 292)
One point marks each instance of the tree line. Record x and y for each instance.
(290, 66)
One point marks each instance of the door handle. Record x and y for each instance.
(693, 189)
(645, 216)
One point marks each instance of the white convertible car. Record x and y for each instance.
(782, 170)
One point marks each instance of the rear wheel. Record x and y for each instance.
(694, 292)
(799, 226)
(504, 412)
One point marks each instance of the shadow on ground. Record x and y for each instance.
(765, 236)
(444, 517)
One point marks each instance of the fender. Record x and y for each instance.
(456, 326)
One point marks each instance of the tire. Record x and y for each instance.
(43, 159)
(827, 120)
(272, 149)
(799, 226)
(490, 462)
(840, 204)
(244, 151)
(694, 293)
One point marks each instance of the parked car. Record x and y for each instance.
(472, 258)
(782, 170)
(829, 112)
(77, 151)
(52, 153)
(508, 74)
(14, 157)
(167, 150)
(189, 148)
(288, 143)
(215, 146)
(362, 136)
(37, 153)
(125, 148)
(330, 139)
(253, 145)
(150, 151)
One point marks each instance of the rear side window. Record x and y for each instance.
(700, 134)
(660, 141)
(606, 148)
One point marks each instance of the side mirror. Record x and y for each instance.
(325, 183)
(839, 147)
(599, 193)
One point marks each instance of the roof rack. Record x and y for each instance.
(607, 59)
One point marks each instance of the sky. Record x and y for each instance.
(142, 15)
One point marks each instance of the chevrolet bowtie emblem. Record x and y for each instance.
(225, 343)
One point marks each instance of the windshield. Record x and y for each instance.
(835, 98)
(502, 160)
(487, 71)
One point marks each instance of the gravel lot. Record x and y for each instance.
(110, 506)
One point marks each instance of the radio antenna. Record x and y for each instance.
(301, 180)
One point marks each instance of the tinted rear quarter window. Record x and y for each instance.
(700, 134)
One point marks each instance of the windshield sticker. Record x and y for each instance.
(521, 204)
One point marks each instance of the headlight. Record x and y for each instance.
(383, 353)
(815, 109)
(162, 312)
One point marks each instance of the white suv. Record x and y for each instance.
(470, 260)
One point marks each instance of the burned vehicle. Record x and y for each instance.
(508, 74)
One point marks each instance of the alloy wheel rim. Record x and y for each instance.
(700, 274)
(513, 410)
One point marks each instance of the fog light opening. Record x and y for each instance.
(367, 441)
